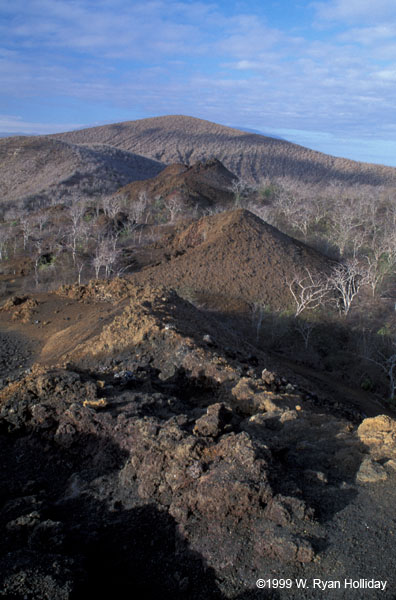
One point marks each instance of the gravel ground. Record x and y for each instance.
(16, 355)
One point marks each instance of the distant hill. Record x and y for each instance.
(206, 184)
(38, 168)
(181, 139)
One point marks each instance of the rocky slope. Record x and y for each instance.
(165, 452)
(37, 168)
(182, 139)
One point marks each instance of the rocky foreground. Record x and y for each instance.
(161, 456)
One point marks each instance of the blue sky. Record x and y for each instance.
(319, 73)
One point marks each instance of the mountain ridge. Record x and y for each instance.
(37, 168)
(178, 138)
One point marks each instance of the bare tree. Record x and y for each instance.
(308, 291)
(347, 224)
(5, 237)
(304, 328)
(346, 279)
(40, 219)
(138, 208)
(77, 227)
(27, 229)
(174, 204)
(385, 358)
(37, 259)
(111, 206)
(379, 265)
(105, 256)
(258, 311)
(241, 190)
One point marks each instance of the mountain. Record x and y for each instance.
(186, 140)
(205, 183)
(38, 168)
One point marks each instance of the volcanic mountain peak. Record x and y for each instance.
(177, 138)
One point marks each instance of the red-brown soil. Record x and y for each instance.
(232, 260)
(205, 184)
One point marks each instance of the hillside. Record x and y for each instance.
(160, 453)
(207, 184)
(181, 139)
(41, 168)
(234, 258)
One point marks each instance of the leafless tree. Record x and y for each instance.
(174, 204)
(5, 237)
(379, 265)
(385, 359)
(348, 225)
(346, 279)
(111, 206)
(304, 328)
(308, 291)
(139, 207)
(241, 190)
(79, 268)
(40, 219)
(37, 253)
(258, 311)
(77, 228)
(105, 256)
(27, 229)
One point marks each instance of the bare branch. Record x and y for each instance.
(308, 292)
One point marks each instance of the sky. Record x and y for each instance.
(319, 73)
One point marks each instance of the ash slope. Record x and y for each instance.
(234, 258)
(182, 139)
(40, 168)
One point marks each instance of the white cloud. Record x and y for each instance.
(14, 124)
(370, 35)
(355, 10)
(387, 74)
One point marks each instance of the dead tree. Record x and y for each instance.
(346, 279)
(308, 291)
(174, 204)
(105, 256)
(304, 328)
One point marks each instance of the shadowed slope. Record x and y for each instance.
(33, 168)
